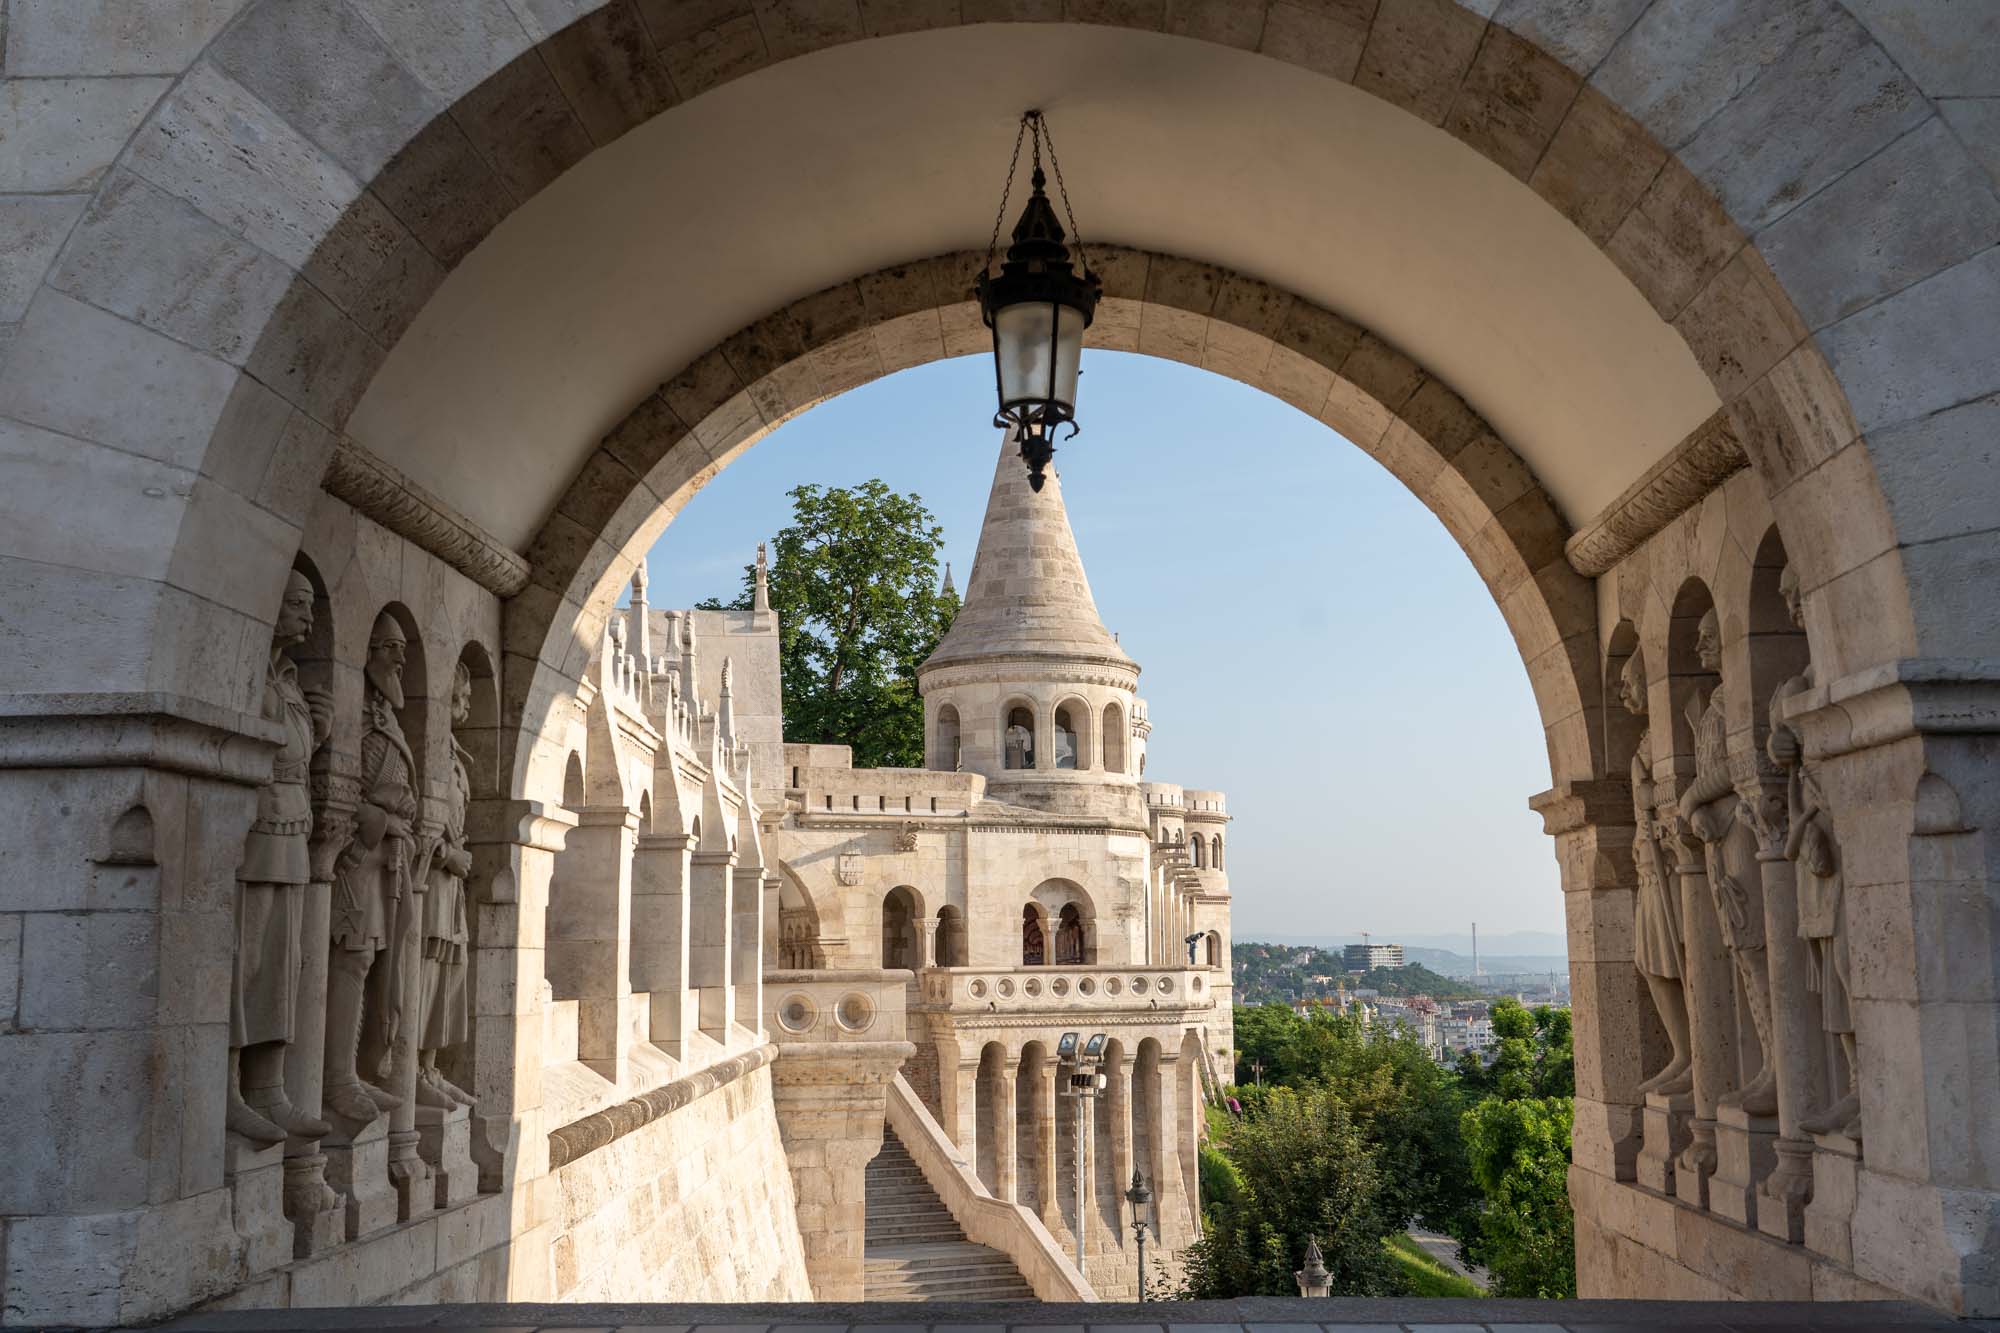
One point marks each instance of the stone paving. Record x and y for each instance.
(1253, 1315)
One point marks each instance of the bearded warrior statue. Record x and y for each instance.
(1713, 810)
(1656, 922)
(371, 880)
(270, 890)
(1815, 856)
(445, 1018)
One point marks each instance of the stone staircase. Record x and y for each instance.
(915, 1252)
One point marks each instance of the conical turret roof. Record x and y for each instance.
(1028, 595)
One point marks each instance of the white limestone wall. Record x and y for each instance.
(696, 1206)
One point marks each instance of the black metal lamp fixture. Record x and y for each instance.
(1140, 1198)
(1038, 306)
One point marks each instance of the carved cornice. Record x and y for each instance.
(1709, 456)
(605, 1127)
(138, 730)
(414, 514)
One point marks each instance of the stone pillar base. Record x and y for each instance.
(257, 1204)
(359, 1168)
(444, 1140)
(1782, 1197)
(318, 1214)
(1667, 1121)
(1696, 1165)
(410, 1177)
(1745, 1153)
(1829, 1218)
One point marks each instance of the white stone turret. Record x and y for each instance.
(1028, 687)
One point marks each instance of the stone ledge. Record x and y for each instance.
(1709, 456)
(383, 494)
(1248, 1315)
(596, 1130)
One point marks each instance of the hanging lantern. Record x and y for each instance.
(1038, 307)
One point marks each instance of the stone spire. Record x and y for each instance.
(1028, 595)
(949, 589)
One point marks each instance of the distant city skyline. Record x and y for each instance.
(1374, 729)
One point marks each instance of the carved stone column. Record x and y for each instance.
(660, 937)
(1048, 1199)
(514, 846)
(1118, 1111)
(317, 1211)
(1004, 1169)
(590, 940)
(1711, 1002)
(710, 959)
(1170, 1199)
(1781, 1196)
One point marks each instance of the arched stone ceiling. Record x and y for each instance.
(656, 247)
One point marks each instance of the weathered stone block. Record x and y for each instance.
(449, 48)
(49, 38)
(1237, 23)
(1830, 102)
(1681, 63)
(1325, 36)
(1579, 35)
(89, 374)
(1513, 99)
(62, 133)
(520, 122)
(1921, 350)
(1920, 205)
(609, 69)
(1674, 241)
(32, 229)
(440, 188)
(1597, 166)
(1417, 54)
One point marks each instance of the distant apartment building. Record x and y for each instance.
(1367, 957)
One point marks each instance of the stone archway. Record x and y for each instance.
(222, 241)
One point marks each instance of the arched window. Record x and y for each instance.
(1034, 940)
(949, 946)
(1069, 733)
(947, 756)
(899, 929)
(1214, 949)
(1194, 851)
(1114, 739)
(1018, 744)
(1069, 936)
(1215, 851)
(572, 797)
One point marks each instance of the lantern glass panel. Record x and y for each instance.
(1022, 340)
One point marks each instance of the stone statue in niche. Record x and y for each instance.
(1656, 924)
(1713, 810)
(1815, 857)
(270, 894)
(1020, 746)
(371, 880)
(446, 1016)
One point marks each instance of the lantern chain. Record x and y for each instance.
(1044, 133)
(1013, 164)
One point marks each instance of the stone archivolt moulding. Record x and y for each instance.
(1709, 456)
(414, 514)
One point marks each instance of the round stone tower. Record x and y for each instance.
(1028, 688)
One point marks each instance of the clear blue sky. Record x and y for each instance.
(1312, 640)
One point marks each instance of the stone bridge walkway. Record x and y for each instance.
(1242, 1316)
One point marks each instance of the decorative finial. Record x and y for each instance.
(948, 590)
(762, 600)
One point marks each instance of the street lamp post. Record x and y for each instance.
(1084, 1082)
(1139, 1197)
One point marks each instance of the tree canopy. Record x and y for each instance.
(854, 580)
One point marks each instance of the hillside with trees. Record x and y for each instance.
(1288, 973)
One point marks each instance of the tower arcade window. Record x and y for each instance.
(1114, 739)
(948, 757)
(1070, 723)
(1018, 742)
(1034, 940)
(899, 929)
(1069, 936)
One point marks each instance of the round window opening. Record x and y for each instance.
(796, 1013)
(1086, 986)
(977, 989)
(1112, 985)
(1060, 985)
(1166, 985)
(855, 1012)
(1032, 986)
(1006, 987)
(1138, 985)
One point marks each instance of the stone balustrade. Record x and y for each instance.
(823, 1006)
(1069, 989)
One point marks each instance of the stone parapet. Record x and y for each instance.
(1057, 991)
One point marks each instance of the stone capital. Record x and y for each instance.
(519, 823)
(1571, 806)
(1885, 704)
(160, 731)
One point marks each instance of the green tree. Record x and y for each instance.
(1299, 1169)
(1519, 1153)
(854, 580)
(1533, 1056)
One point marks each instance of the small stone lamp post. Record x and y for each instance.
(1140, 1198)
(1313, 1279)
